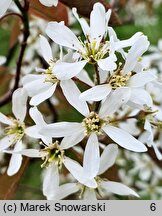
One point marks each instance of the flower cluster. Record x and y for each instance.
(117, 107)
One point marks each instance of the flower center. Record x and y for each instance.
(93, 124)
(52, 153)
(93, 51)
(50, 77)
(117, 81)
(17, 129)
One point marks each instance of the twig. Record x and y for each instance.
(11, 14)
(7, 97)
(97, 104)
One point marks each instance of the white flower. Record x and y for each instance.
(148, 136)
(97, 123)
(53, 156)
(125, 77)
(93, 49)
(49, 3)
(93, 166)
(15, 130)
(42, 86)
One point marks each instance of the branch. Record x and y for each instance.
(11, 14)
(7, 97)
(85, 7)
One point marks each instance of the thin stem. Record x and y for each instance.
(97, 82)
(11, 14)
(97, 75)
(7, 97)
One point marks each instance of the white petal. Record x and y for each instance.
(119, 97)
(91, 159)
(33, 132)
(75, 169)
(108, 157)
(37, 116)
(129, 42)
(118, 188)
(83, 23)
(61, 129)
(157, 151)
(49, 3)
(89, 194)
(139, 47)
(96, 93)
(107, 64)
(30, 77)
(39, 98)
(83, 76)
(6, 142)
(72, 94)
(140, 79)
(148, 128)
(4, 5)
(65, 70)
(4, 119)
(45, 49)
(97, 22)
(19, 100)
(66, 190)
(63, 36)
(33, 153)
(140, 97)
(31, 80)
(70, 141)
(124, 139)
(15, 161)
(50, 181)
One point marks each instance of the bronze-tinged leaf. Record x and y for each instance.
(9, 184)
(16, 30)
(85, 7)
(58, 13)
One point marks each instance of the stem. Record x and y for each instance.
(11, 14)
(7, 97)
(97, 75)
(97, 82)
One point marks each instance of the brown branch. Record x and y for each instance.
(11, 14)
(7, 97)
(84, 8)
